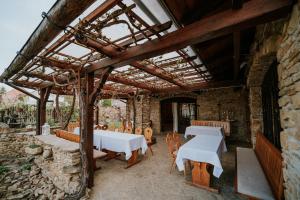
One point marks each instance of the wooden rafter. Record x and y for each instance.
(254, 12)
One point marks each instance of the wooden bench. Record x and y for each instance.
(225, 125)
(259, 171)
(76, 138)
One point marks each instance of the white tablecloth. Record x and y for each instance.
(202, 148)
(206, 130)
(118, 142)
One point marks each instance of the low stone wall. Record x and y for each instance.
(60, 162)
(50, 160)
(13, 144)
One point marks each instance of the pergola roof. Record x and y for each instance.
(155, 47)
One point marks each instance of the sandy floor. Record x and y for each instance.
(151, 180)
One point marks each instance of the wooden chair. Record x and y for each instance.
(177, 138)
(98, 127)
(128, 130)
(148, 136)
(104, 127)
(72, 126)
(138, 131)
(224, 124)
(169, 137)
(173, 147)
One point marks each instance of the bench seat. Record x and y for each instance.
(251, 179)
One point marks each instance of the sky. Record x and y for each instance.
(18, 19)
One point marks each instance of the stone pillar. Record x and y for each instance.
(256, 114)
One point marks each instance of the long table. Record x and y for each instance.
(204, 150)
(117, 142)
(206, 130)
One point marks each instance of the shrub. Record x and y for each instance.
(3, 169)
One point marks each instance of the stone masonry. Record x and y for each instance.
(280, 41)
(215, 104)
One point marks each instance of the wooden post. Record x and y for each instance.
(97, 115)
(38, 116)
(89, 127)
(44, 95)
(88, 94)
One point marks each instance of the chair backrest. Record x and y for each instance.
(271, 161)
(172, 143)
(98, 127)
(67, 135)
(224, 124)
(138, 131)
(72, 126)
(169, 137)
(148, 134)
(128, 130)
(176, 137)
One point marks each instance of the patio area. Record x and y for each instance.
(151, 179)
(198, 82)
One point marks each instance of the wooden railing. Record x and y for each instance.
(225, 125)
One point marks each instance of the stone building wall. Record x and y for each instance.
(280, 41)
(213, 103)
(143, 110)
(289, 85)
(155, 115)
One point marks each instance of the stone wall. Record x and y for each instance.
(263, 53)
(280, 41)
(142, 107)
(215, 104)
(289, 84)
(155, 115)
(58, 161)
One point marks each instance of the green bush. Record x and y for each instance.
(3, 169)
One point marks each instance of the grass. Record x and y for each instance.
(3, 169)
(26, 166)
(33, 146)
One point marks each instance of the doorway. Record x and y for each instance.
(270, 106)
(177, 113)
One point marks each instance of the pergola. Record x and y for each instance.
(115, 52)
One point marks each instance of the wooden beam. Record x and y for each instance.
(21, 90)
(59, 64)
(125, 81)
(254, 12)
(200, 86)
(236, 53)
(113, 52)
(62, 13)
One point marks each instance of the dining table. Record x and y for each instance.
(117, 142)
(204, 151)
(206, 130)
